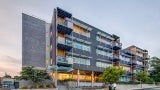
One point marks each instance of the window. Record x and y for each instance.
(82, 46)
(139, 63)
(124, 78)
(80, 60)
(125, 58)
(104, 52)
(103, 39)
(80, 30)
(69, 42)
(102, 64)
(78, 45)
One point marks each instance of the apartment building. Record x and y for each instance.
(76, 49)
(138, 60)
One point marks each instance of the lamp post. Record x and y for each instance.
(141, 82)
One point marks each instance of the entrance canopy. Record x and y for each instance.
(60, 68)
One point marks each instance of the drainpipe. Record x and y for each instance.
(92, 78)
(78, 74)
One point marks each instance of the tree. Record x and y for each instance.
(16, 77)
(7, 76)
(111, 74)
(154, 64)
(142, 77)
(29, 73)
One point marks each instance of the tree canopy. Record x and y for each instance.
(154, 64)
(111, 74)
(29, 73)
(7, 76)
(142, 76)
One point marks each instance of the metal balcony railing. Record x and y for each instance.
(116, 46)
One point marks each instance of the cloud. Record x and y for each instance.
(9, 65)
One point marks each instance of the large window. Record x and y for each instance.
(139, 53)
(81, 31)
(79, 45)
(103, 39)
(80, 60)
(102, 64)
(126, 68)
(104, 52)
(124, 58)
(124, 79)
(139, 63)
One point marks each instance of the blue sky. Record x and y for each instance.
(137, 22)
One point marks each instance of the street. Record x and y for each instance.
(148, 89)
(5, 88)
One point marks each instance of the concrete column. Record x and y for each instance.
(92, 78)
(78, 77)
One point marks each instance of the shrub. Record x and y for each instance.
(49, 86)
(149, 81)
(29, 87)
(44, 86)
(40, 86)
(37, 86)
(68, 79)
(23, 87)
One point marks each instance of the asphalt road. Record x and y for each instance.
(148, 89)
(5, 89)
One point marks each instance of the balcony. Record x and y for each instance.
(132, 72)
(65, 27)
(63, 61)
(63, 65)
(128, 52)
(62, 13)
(139, 66)
(139, 58)
(62, 44)
(144, 66)
(146, 57)
(132, 63)
(116, 58)
(117, 46)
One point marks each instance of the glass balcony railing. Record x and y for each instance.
(66, 23)
(134, 71)
(61, 59)
(146, 57)
(63, 44)
(64, 60)
(65, 27)
(63, 41)
(116, 58)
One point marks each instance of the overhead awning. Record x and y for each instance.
(60, 69)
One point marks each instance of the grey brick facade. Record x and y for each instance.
(33, 41)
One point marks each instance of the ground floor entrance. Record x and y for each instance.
(78, 75)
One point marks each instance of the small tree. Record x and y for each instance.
(29, 73)
(142, 77)
(7, 76)
(111, 74)
(17, 78)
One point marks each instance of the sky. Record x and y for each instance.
(137, 22)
